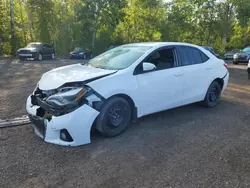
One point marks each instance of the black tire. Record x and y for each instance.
(213, 95)
(235, 62)
(53, 56)
(249, 76)
(39, 57)
(114, 117)
(22, 58)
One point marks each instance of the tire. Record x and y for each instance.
(249, 76)
(235, 62)
(39, 57)
(22, 58)
(53, 56)
(213, 95)
(114, 117)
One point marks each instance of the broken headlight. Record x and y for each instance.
(67, 96)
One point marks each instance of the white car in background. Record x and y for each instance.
(121, 85)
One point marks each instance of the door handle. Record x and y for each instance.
(209, 68)
(178, 74)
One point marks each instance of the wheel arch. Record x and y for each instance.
(131, 103)
(220, 81)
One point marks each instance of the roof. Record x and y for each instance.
(159, 44)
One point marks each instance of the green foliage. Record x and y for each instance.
(96, 24)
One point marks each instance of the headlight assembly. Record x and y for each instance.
(33, 50)
(63, 98)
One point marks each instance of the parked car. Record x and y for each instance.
(243, 56)
(209, 48)
(248, 70)
(121, 85)
(80, 53)
(37, 51)
(113, 46)
(229, 55)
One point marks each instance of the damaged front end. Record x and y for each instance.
(64, 100)
(64, 115)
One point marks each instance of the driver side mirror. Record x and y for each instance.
(146, 66)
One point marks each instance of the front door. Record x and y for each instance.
(161, 88)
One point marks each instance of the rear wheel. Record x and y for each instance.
(235, 62)
(22, 58)
(114, 117)
(213, 95)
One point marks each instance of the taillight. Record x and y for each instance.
(225, 65)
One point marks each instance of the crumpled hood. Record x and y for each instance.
(71, 73)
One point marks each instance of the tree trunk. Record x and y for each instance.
(94, 37)
(12, 28)
(22, 20)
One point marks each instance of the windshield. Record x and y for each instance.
(34, 45)
(119, 57)
(247, 49)
(77, 49)
(235, 51)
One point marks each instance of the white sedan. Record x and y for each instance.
(123, 84)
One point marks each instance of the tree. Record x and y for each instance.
(12, 28)
(142, 22)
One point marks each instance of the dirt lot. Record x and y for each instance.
(185, 147)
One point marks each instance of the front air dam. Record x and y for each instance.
(78, 123)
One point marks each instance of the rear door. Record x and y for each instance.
(197, 68)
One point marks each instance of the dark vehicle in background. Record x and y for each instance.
(37, 51)
(248, 70)
(112, 46)
(210, 48)
(80, 53)
(230, 54)
(243, 56)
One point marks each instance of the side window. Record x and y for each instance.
(204, 57)
(191, 56)
(162, 59)
(47, 46)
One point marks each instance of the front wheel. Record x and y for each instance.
(114, 117)
(53, 56)
(213, 95)
(39, 57)
(22, 58)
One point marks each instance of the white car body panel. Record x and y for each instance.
(161, 88)
(151, 92)
(76, 123)
(71, 73)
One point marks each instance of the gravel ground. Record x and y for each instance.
(185, 147)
